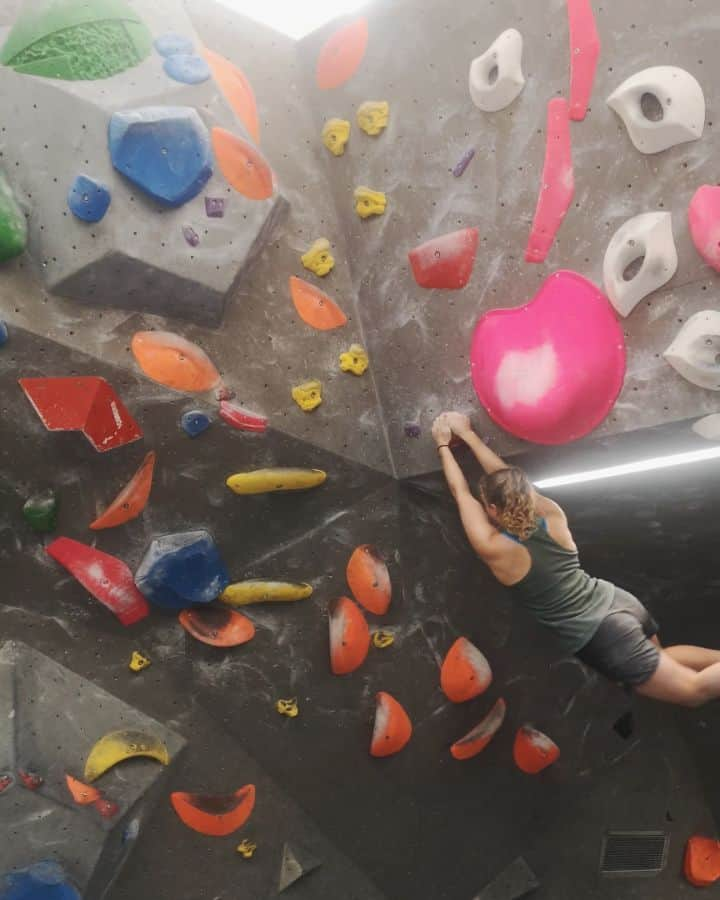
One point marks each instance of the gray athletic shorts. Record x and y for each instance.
(621, 648)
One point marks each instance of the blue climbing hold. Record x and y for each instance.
(88, 198)
(181, 569)
(187, 68)
(164, 150)
(44, 881)
(195, 422)
(172, 43)
(4, 335)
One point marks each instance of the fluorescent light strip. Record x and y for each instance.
(643, 465)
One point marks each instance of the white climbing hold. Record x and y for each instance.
(661, 107)
(708, 428)
(496, 77)
(695, 352)
(647, 237)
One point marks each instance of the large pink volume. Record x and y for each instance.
(550, 371)
(584, 55)
(558, 183)
(704, 219)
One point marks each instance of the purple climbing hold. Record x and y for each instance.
(88, 198)
(170, 44)
(190, 235)
(215, 207)
(186, 68)
(464, 162)
(412, 430)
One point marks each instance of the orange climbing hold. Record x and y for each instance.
(83, 794)
(237, 90)
(534, 751)
(174, 362)
(702, 861)
(212, 815)
(341, 55)
(465, 673)
(217, 626)
(477, 740)
(349, 636)
(369, 580)
(131, 500)
(243, 166)
(314, 307)
(393, 728)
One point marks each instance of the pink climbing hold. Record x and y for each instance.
(550, 371)
(584, 55)
(107, 578)
(704, 218)
(558, 183)
(446, 261)
(240, 418)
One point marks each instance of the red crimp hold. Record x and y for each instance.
(584, 55)
(31, 780)
(239, 418)
(6, 781)
(106, 808)
(446, 261)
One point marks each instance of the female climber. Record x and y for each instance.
(525, 540)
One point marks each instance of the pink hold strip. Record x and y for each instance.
(584, 54)
(558, 183)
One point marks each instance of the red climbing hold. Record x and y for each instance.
(82, 794)
(393, 728)
(341, 55)
(107, 578)
(534, 751)
(584, 54)
(446, 261)
(702, 861)
(213, 815)
(465, 673)
(105, 807)
(349, 636)
(31, 780)
(86, 403)
(237, 91)
(478, 739)
(314, 307)
(704, 219)
(558, 183)
(369, 580)
(217, 626)
(131, 500)
(237, 417)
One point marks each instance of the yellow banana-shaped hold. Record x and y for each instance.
(262, 481)
(117, 746)
(244, 593)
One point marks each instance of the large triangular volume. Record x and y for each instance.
(296, 862)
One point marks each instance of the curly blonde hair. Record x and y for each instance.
(512, 493)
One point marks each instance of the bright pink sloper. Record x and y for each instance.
(550, 371)
(558, 183)
(584, 55)
(704, 219)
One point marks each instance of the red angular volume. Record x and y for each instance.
(534, 751)
(465, 672)
(477, 740)
(131, 500)
(584, 55)
(702, 861)
(349, 637)
(369, 580)
(341, 55)
(393, 728)
(447, 261)
(213, 815)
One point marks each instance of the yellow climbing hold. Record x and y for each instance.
(262, 481)
(244, 593)
(288, 708)
(138, 662)
(117, 746)
(354, 360)
(369, 203)
(308, 395)
(383, 639)
(335, 135)
(319, 259)
(246, 848)
(373, 116)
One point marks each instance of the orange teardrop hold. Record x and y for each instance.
(465, 672)
(131, 500)
(349, 636)
(369, 580)
(212, 815)
(243, 166)
(393, 728)
(477, 740)
(173, 361)
(82, 794)
(702, 861)
(236, 89)
(534, 751)
(217, 626)
(341, 55)
(314, 307)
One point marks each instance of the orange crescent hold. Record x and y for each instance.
(131, 500)
(236, 89)
(243, 167)
(369, 580)
(341, 55)
(213, 815)
(314, 307)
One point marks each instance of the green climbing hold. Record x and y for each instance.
(76, 40)
(13, 227)
(40, 511)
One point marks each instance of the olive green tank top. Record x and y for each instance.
(559, 593)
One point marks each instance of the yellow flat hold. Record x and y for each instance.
(335, 135)
(288, 708)
(308, 395)
(369, 203)
(263, 481)
(117, 746)
(354, 360)
(246, 848)
(245, 593)
(373, 116)
(319, 259)
(138, 662)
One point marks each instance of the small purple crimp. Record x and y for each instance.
(465, 161)
(215, 207)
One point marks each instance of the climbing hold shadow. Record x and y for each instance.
(131, 500)
(369, 580)
(216, 816)
(349, 636)
(477, 740)
(118, 746)
(625, 725)
(392, 729)
(465, 672)
(446, 261)
(217, 626)
(341, 55)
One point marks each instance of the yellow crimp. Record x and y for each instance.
(335, 135)
(383, 639)
(117, 746)
(263, 481)
(373, 116)
(246, 848)
(354, 360)
(244, 593)
(308, 395)
(288, 708)
(319, 259)
(138, 662)
(369, 203)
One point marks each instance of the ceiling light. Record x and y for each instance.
(291, 17)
